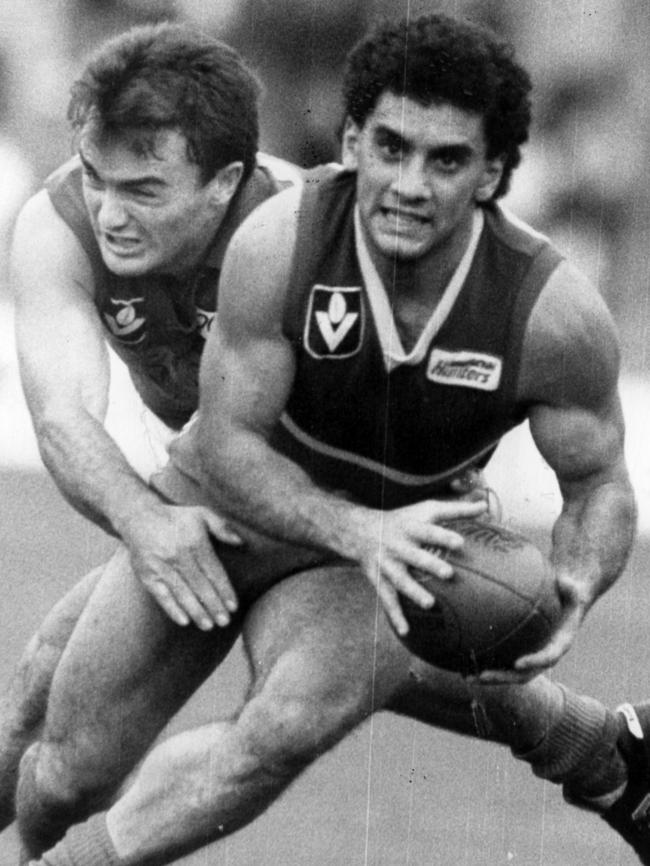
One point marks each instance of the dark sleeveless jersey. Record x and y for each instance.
(388, 438)
(157, 324)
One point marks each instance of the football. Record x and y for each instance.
(501, 603)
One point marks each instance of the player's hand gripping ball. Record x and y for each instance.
(501, 603)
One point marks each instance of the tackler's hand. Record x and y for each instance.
(171, 553)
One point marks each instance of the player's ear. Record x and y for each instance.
(224, 184)
(489, 180)
(350, 145)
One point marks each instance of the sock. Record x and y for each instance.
(86, 844)
(580, 750)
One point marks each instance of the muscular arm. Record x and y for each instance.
(65, 374)
(570, 373)
(246, 375)
(65, 371)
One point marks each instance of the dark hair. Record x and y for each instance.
(168, 76)
(434, 59)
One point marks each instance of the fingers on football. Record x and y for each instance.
(558, 646)
(436, 536)
(449, 510)
(390, 602)
(431, 563)
(399, 580)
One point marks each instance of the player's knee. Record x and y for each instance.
(59, 778)
(48, 798)
(44, 780)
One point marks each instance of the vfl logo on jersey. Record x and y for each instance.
(334, 326)
(465, 369)
(127, 324)
(204, 320)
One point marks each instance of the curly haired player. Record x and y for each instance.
(379, 331)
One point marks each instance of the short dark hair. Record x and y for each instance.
(436, 58)
(170, 77)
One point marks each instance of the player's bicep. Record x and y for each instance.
(244, 384)
(569, 377)
(248, 364)
(583, 446)
(62, 356)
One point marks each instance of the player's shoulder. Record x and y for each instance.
(265, 239)
(571, 348)
(261, 253)
(39, 220)
(513, 231)
(43, 243)
(278, 216)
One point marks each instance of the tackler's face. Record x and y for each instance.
(421, 170)
(149, 212)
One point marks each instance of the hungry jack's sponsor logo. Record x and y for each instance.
(465, 369)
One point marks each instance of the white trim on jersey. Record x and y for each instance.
(391, 344)
(395, 475)
(517, 222)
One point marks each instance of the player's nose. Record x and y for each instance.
(412, 180)
(111, 213)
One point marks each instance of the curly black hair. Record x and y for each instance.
(169, 76)
(436, 58)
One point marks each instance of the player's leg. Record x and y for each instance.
(125, 671)
(324, 658)
(22, 710)
(566, 737)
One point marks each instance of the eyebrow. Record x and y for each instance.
(458, 151)
(146, 179)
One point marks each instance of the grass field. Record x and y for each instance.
(395, 793)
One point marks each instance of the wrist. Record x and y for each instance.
(130, 510)
(358, 527)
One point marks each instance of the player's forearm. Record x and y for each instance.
(594, 534)
(91, 472)
(263, 489)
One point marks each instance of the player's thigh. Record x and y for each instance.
(323, 657)
(125, 671)
(59, 623)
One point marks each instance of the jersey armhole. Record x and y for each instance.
(533, 284)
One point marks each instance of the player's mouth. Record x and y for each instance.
(121, 245)
(406, 220)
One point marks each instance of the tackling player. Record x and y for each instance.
(331, 406)
(124, 245)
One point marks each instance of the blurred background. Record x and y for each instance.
(585, 181)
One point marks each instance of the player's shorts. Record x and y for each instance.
(261, 561)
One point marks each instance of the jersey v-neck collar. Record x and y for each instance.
(389, 339)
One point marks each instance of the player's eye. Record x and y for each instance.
(143, 192)
(91, 178)
(450, 161)
(390, 146)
